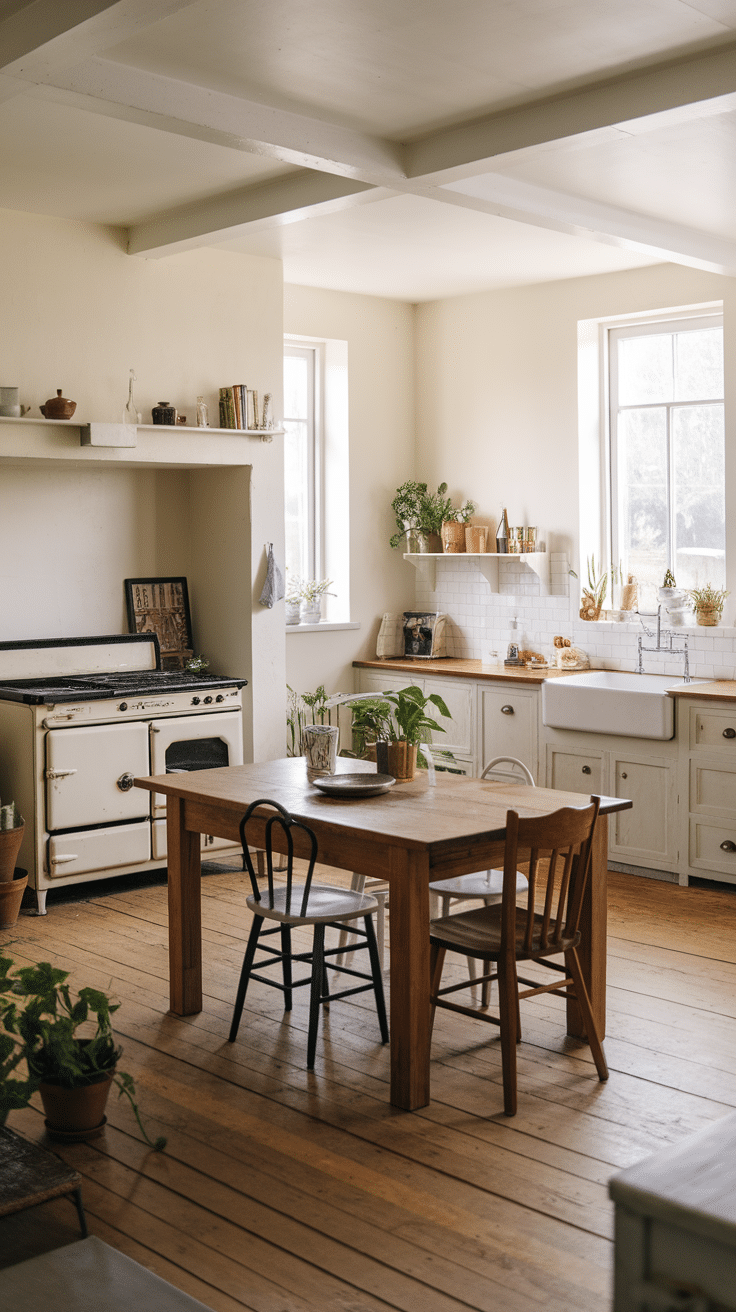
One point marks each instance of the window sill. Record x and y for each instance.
(323, 627)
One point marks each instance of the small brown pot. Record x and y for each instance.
(453, 536)
(11, 896)
(58, 407)
(708, 616)
(75, 1114)
(402, 760)
(10, 845)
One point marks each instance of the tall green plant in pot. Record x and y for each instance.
(67, 1046)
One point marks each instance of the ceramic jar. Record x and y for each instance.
(57, 407)
(163, 413)
(453, 537)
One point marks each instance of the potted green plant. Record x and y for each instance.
(708, 603)
(12, 881)
(311, 592)
(453, 525)
(69, 1050)
(595, 593)
(406, 727)
(371, 721)
(419, 515)
(303, 708)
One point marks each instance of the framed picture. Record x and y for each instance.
(161, 606)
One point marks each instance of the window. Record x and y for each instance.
(317, 468)
(667, 453)
(301, 463)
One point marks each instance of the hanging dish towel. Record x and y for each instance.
(273, 588)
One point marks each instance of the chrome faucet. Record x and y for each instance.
(667, 647)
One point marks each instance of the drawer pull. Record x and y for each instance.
(729, 733)
(728, 846)
(507, 710)
(586, 769)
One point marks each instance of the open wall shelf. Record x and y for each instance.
(489, 563)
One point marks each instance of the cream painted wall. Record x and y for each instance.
(379, 334)
(496, 388)
(78, 313)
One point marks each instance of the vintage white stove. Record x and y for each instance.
(79, 719)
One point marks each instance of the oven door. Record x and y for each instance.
(194, 742)
(90, 772)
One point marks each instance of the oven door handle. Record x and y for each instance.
(60, 860)
(58, 774)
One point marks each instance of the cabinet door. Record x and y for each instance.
(648, 832)
(509, 725)
(457, 694)
(575, 772)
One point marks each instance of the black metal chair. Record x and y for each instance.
(295, 905)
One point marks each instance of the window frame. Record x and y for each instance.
(690, 318)
(311, 351)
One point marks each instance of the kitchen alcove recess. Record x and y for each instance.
(488, 563)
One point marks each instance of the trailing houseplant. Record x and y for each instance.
(708, 603)
(67, 1044)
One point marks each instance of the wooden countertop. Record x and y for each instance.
(464, 669)
(723, 690)
(720, 690)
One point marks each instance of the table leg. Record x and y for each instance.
(409, 931)
(593, 928)
(185, 912)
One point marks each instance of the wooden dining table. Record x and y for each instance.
(437, 826)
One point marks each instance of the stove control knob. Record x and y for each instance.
(125, 782)
(219, 697)
(195, 701)
(207, 701)
(123, 706)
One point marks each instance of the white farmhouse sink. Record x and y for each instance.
(609, 701)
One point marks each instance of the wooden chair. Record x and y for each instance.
(559, 848)
(293, 906)
(485, 885)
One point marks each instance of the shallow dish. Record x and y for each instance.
(354, 785)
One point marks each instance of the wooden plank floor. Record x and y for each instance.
(283, 1191)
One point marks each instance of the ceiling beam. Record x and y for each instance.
(302, 195)
(40, 37)
(676, 86)
(116, 89)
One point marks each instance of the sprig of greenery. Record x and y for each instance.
(708, 596)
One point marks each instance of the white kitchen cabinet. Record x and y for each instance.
(509, 723)
(647, 834)
(711, 786)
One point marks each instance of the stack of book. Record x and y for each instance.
(239, 408)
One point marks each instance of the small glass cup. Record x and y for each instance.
(320, 749)
(531, 537)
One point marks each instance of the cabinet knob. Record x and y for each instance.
(624, 774)
(728, 846)
(586, 769)
(507, 710)
(729, 733)
(125, 782)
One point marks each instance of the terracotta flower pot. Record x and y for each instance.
(11, 896)
(10, 845)
(401, 760)
(75, 1114)
(453, 537)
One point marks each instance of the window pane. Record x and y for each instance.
(645, 369)
(699, 364)
(699, 496)
(643, 508)
(296, 387)
(296, 497)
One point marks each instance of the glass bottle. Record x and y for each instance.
(130, 414)
(202, 413)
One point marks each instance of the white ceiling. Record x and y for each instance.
(405, 148)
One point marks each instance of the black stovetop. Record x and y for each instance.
(96, 687)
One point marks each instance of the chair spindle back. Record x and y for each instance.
(288, 824)
(559, 847)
